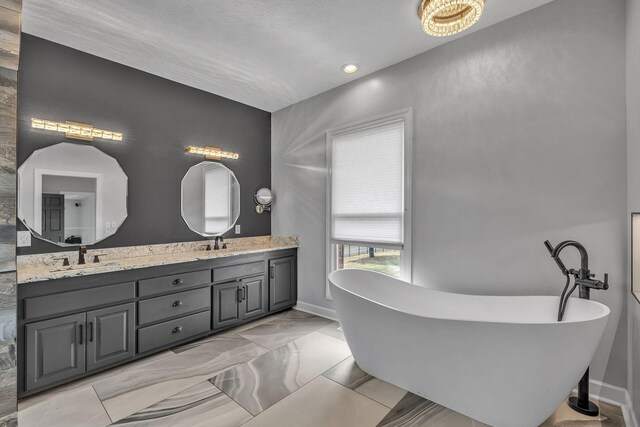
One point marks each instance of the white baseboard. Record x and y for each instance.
(317, 310)
(614, 395)
(630, 418)
(608, 393)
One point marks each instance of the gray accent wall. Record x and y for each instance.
(159, 118)
(633, 173)
(520, 136)
(10, 12)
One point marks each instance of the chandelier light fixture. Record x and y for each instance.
(441, 18)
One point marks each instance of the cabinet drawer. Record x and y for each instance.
(175, 282)
(50, 305)
(176, 330)
(237, 271)
(178, 304)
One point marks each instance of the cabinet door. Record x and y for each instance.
(226, 304)
(110, 335)
(55, 350)
(254, 297)
(282, 283)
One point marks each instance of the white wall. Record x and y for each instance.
(520, 136)
(633, 173)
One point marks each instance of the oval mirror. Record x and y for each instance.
(210, 199)
(72, 194)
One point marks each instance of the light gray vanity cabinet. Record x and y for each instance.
(282, 283)
(55, 350)
(110, 335)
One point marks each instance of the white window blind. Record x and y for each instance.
(367, 185)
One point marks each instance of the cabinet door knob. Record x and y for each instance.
(177, 303)
(177, 330)
(178, 282)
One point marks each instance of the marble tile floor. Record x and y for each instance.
(290, 369)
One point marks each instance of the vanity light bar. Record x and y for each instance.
(212, 153)
(76, 130)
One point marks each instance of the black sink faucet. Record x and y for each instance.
(82, 250)
(215, 244)
(584, 279)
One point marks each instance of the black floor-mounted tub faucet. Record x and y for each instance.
(584, 279)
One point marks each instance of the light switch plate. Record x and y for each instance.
(24, 239)
(237, 229)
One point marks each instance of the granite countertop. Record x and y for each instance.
(41, 267)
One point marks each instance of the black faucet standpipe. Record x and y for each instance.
(82, 250)
(219, 239)
(584, 279)
(206, 247)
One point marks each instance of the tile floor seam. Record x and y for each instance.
(290, 394)
(101, 404)
(354, 390)
(300, 387)
(232, 399)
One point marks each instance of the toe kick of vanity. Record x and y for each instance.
(73, 327)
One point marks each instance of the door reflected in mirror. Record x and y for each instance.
(71, 194)
(210, 199)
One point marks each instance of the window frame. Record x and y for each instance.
(406, 115)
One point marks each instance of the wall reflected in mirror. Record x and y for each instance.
(210, 199)
(72, 194)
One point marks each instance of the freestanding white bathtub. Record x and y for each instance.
(502, 360)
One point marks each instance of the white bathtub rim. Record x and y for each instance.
(605, 310)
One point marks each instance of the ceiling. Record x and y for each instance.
(265, 53)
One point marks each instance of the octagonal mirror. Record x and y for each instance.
(72, 194)
(210, 199)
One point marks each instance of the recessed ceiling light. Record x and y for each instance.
(442, 18)
(350, 68)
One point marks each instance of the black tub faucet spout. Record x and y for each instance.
(584, 280)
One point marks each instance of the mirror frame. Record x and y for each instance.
(182, 199)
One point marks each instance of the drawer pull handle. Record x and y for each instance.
(177, 303)
(178, 282)
(177, 330)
